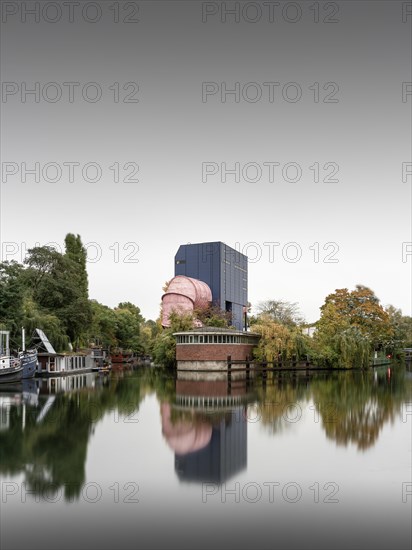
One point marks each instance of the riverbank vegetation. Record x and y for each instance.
(353, 329)
(50, 291)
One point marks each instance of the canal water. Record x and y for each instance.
(140, 459)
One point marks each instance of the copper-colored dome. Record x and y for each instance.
(183, 295)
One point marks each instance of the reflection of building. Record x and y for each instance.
(223, 269)
(207, 427)
(224, 455)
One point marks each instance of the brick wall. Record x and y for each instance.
(212, 352)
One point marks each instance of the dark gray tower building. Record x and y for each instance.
(221, 267)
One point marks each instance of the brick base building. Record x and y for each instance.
(208, 348)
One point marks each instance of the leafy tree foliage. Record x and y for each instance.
(128, 320)
(50, 291)
(352, 325)
(279, 341)
(279, 311)
(12, 288)
(164, 348)
(361, 308)
(213, 316)
(401, 327)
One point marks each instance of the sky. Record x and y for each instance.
(282, 129)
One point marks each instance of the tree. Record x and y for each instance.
(164, 347)
(213, 316)
(12, 289)
(37, 317)
(351, 326)
(77, 254)
(103, 327)
(128, 320)
(361, 308)
(148, 332)
(284, 313)
(401, 327)
(59, 284)
(279, 341)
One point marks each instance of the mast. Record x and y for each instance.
(23, 339)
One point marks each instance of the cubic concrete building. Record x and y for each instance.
(223, 269)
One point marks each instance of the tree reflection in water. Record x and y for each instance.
(353, 407)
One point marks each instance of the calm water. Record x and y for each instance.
(139, 459)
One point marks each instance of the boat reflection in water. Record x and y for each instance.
(66, 384)
(35, 396)
(206, 427)
(21, 395)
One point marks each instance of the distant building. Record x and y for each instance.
(223, 269)
(309, 331)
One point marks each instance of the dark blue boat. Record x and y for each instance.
(29, 362)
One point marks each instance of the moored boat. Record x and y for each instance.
(121, 356)
(29, 362)
(28, 358)
(11, 369)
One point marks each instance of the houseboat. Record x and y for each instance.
(51, 363)
(61, 364)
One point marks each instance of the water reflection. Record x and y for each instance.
(206, 427)
(354, 408)
(46, 424)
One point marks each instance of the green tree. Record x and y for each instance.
(279, 311)
(12, 290)
(148, 332)
(59, 284)
(164, 347)
(213, 316)
(103, 327)
(351, 326)
(279, 341)
(361, 308)
(128, 320)
(77, 254)
(402, 329)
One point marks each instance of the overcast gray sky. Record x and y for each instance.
(283, 130)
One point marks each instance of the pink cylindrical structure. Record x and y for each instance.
(183, 295)
(184, 437)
